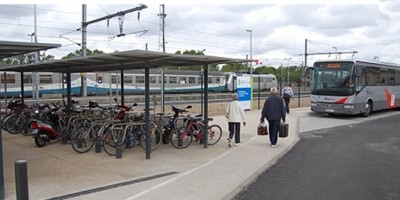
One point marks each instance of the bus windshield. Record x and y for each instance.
(333, 78)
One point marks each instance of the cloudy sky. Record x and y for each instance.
(278, 30)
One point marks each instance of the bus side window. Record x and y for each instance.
(391, 74)
(383, 77)
(397, 77)
(360, 79)
(372, 78)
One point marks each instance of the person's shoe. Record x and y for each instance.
(273, 146)
(229, 142)
(237, 144)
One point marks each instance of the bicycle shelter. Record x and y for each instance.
(126, 60)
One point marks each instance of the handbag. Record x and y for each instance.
(262, 129)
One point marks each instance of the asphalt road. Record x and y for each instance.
(353, 161)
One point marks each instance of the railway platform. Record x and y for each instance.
(56, 171)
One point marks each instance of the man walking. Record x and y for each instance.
(287, 95)
(273, 111)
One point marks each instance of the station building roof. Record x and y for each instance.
(126, 60)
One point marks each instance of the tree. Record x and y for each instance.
(194, 67)
(78, 53)
(26, 59)
(234, 67)
(265, 70)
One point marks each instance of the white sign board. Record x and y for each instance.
(244, 91)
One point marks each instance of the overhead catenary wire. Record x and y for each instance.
(205, 37)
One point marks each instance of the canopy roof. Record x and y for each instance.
(9, 49)
(134, 59)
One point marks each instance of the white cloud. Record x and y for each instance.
(278, 30)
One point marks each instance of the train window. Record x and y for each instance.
(27, 78)
(153, 79)
(192, 79)
(210, 80)
(99, 79)
(172, 80)
(217, 80)
(114, 79)
(9, 78)
(45, 79)
(139, 79)
(182, 80)
(128, 79)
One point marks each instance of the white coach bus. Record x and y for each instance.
(354, 87)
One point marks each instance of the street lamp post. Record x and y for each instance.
(288, 73)
(336, 55)
(251, 51)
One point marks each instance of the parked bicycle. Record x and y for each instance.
(193, 129)
(84, 136)
(169, 127)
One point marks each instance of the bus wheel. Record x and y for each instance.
(368, 109)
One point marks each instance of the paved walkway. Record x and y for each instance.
(217, 172)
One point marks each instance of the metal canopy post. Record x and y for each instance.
(162, 91)
(69, 99)
(122, 88)
(147, 109)
(1, 164)
(22, 88)
(205, 106)
(202, 91)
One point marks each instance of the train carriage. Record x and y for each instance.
(105, 83)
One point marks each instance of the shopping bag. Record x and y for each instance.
(283, 130)
(262, 129)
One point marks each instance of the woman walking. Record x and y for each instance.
(235, 115)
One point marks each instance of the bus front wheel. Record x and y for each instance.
(368, 109)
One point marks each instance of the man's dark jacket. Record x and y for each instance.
(274, 108)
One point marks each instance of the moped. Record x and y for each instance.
(43, 131)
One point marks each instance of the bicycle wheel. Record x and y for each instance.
(180, 139)
(155, 137)
(113, 139)
(4, 121)
(214, 134)
(26, 128)
(82, 139)
(12, 124)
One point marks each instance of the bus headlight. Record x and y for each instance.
(348, 106)
(313, 104)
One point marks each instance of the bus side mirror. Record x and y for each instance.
(309, 69)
